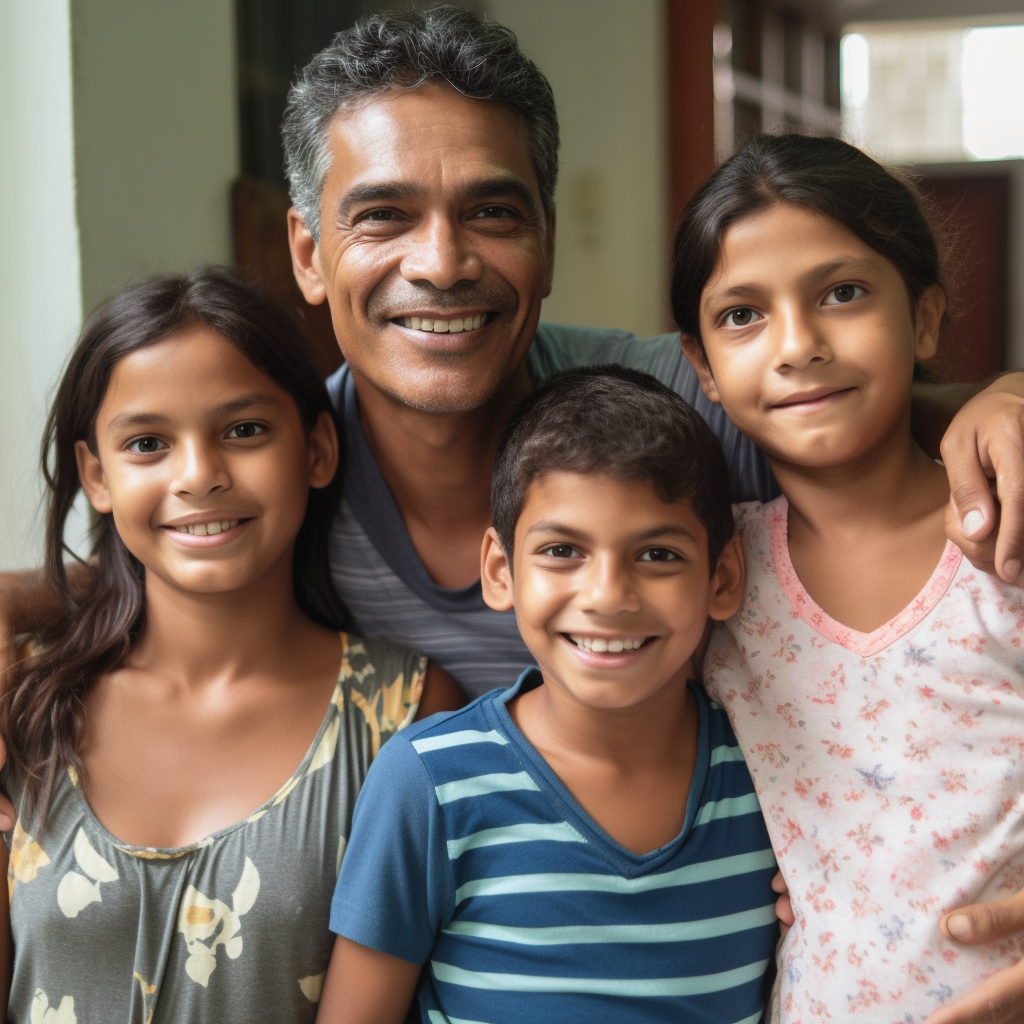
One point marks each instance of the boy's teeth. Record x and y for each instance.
(600, 645)
(418, 323)
(208, 529)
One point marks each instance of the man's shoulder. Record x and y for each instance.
(559, 347)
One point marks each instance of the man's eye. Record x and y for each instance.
(844, 293)
(658, 555)
(243, 430)
(742, 317)
(145, 445)
(560, 551)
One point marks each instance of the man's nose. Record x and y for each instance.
(199, 469)
(799, 340)
(608, 587)
(440, 254)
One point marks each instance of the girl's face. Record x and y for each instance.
(810, 338)
(204, 463)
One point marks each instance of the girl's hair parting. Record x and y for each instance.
(42, 706)
(824, 174)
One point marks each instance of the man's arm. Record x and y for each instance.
(983, 451)
(366, 987)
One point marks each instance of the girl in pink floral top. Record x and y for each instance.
(875, 679)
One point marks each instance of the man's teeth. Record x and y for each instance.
(208, 529)
(421, 323)
(600, 645)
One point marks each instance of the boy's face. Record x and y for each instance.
(611, 586)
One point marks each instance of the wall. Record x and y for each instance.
(40, 293)
(156, 136)
(606, 65)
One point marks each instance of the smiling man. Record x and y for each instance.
(422, 153)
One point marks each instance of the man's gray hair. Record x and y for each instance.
(402, 49)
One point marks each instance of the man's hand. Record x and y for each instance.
(983, 450)
(1000, 999)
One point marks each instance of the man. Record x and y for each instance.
(422, 157)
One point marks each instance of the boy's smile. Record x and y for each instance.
(611, 587)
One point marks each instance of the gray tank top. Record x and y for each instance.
(231, 928)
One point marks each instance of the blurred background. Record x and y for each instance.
(142, 136)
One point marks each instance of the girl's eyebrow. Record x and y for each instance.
(826, 269)
(131, 420)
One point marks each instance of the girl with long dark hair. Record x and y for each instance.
(185, 744)
(873, 675)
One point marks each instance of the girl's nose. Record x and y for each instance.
(799, 341)
(439, 254)
(199, 470)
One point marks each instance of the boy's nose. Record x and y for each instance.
(609, 588)
(439, 254)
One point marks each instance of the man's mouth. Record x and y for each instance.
(607, 645)
(435, 325)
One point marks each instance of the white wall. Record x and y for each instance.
(120, 144)
(156, 136)
(606, 65)
(40, 292)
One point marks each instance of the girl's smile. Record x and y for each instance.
(204, 462)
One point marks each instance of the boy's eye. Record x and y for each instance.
(560, 551)
(658, 555)
(742, 317)
(843, 293)
(145, 445)
(243, 430)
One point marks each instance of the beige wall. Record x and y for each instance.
(156, 136)
(605, 62)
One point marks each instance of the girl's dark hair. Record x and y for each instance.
(621, 423)
(823, 174)
(42, 707)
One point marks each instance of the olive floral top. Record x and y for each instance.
(231, 928)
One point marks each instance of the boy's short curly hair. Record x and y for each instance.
(621, 423)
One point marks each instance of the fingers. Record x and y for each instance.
(985, 922)
(999, 1000)
(1009, 555)
(783, 905)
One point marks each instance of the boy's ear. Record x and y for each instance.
(92, 478)
(728, 581)
(928, 322)
(323, 451)
(495, 573)
(698, 360)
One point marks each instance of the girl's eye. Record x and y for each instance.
(659, 555)
(244, 430)
(145, 445)
(742, 317)
(843, 293)
(560, 551)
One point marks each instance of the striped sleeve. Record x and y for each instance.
(395, 891)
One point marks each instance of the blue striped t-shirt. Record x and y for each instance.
(468, 852)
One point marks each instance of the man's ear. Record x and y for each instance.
(305, 259)
(549, 255)
(323, 451)
(92, 478)
(495, 573)
(728, 581)
(699, 361)
(928, 322)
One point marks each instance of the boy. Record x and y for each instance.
(586, 845)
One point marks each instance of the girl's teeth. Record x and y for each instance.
(208, 529)
(469, 323)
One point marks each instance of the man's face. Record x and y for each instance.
(435, 251)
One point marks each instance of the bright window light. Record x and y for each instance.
(855, 60)
(993, 87)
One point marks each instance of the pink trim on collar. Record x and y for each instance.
(863, 644)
